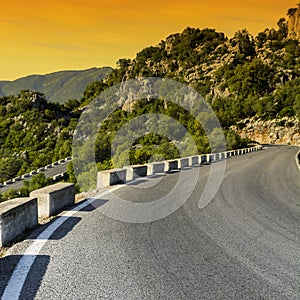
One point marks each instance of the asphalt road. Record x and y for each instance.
(55, 170)
(243, 245)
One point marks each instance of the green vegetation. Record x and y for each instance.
(38, 181)
(34, 132)
(241, 77)
(152, 146)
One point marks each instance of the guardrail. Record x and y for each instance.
(20, 214)
(39, 170)
(129, 173)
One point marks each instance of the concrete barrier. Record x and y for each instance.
(52, 199)
(202, 159)
(20, 214)
(135, 171)
(7, 182)
(210, 157)
(111, 177)
(57, 177)
(193, 160)
(171, 165)
(156, 168)
(17, 216)
(16, 179)
(183, 163)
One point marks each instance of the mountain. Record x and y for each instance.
(242, 77)
(59, 86)
(251, 83)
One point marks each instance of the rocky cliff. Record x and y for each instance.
(294, 23)
(277, 131)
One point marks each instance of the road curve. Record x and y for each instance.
(54, 170)
(243, 245)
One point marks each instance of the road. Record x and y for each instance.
(55, 170)
(243, 245)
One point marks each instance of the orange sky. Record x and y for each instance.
(39, 36)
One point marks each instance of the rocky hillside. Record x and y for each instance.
(34, 132)
(277, 131)
(294, 23)
(242, 77)
(252, 83)
(59, 86)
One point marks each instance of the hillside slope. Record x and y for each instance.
(242, 77)
(59, 86)
(252, 84)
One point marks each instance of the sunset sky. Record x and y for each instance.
(39, 36)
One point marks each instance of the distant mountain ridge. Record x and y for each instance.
(58, 86)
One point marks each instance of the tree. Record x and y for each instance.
(10, 194)
(283, 29)
(245, 43)
(291, 11)
(251, 78)
(38, 181)
(297, 106)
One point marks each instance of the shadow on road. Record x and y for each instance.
(34, 279)
(67, 226)
(94, 205)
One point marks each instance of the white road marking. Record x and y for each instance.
(16, 282)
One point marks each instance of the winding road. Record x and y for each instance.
(54, 170)
(243, 245)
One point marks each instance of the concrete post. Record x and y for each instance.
(52, 199)
(17, 216)
(183, 163)
(111, 177)
(135, 171)
(155, 168)
(171, 165)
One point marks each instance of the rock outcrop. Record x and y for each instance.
(277, 131)
(294, 23)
